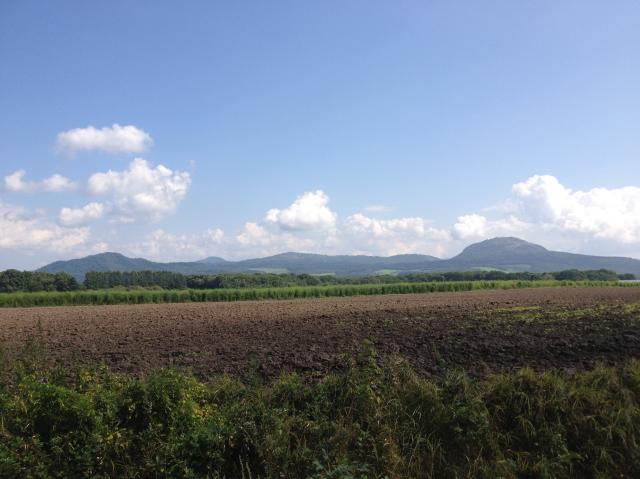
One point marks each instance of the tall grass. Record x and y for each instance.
(369, 421)
(117, 296)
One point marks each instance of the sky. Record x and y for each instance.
(179, 130)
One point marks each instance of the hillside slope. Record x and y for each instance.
(508, 254)
(513, 254)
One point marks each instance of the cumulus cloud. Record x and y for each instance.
(112, 139)
(307, 212)
(394, 236)
(141, 191)
(308, 225)
(166, 246)
(362, 224)
(57, 183)
(542, 204)
(541, 209)
(475, 226)
(601, 212)
(15, 183)
(76, 216)
(22, 230)
(257, 239)
(253, 233)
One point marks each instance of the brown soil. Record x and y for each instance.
(568, 328)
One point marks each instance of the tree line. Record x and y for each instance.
(170, 280)
(29, 281)
(13, 280)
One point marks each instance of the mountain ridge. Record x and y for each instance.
(503, 253)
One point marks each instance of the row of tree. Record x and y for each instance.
(13, 280)
(170, 280)
(145, 279)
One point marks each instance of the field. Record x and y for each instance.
(539, 382)
(479, 331)
(146, 296)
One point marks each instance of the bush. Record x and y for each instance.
(367, 421)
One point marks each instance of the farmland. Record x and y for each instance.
(535, 382)
(475, 331)
(136, 295)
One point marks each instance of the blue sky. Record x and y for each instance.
(333, 127)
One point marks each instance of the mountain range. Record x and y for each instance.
(506, 254)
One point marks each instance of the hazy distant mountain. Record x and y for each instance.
(212, 260)
(513, 254)
(507, 254)
(324, 264)
(281, 263)
(118, 262)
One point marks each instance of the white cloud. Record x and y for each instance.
(141, 191)
(166, 246)
(600, 212)
(307, 212)
(394, 236)
(57, 183)
(475, 226)
(471, 226)
(540, 209)
(252, 234)
(76, 216)
(112, 139)
(99, 247)
(543, 210)
(362, 224)
(257, 240)
(308, 225)
(23, 231)
(15, 183)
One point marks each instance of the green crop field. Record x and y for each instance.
(141, 296)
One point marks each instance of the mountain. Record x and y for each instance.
(298, 263)
(513, 254)
(507, 254)
(212, 260)
(342, 265)
(118, 262)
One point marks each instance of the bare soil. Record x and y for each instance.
(566, 328)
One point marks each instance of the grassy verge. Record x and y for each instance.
(242, 294)
(367, 421)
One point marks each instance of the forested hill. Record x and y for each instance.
(298, 263)
(514, 255)
(118, 262)
(505, 254)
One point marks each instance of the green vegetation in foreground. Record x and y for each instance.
(141, 296)
(366, 422)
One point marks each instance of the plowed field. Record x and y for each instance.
(568, 328)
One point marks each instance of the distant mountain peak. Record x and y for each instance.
(212, 260)
(503, 253)
(503, 245)
(294, 255)
(106, 254)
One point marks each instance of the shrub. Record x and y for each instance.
(367, 421)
